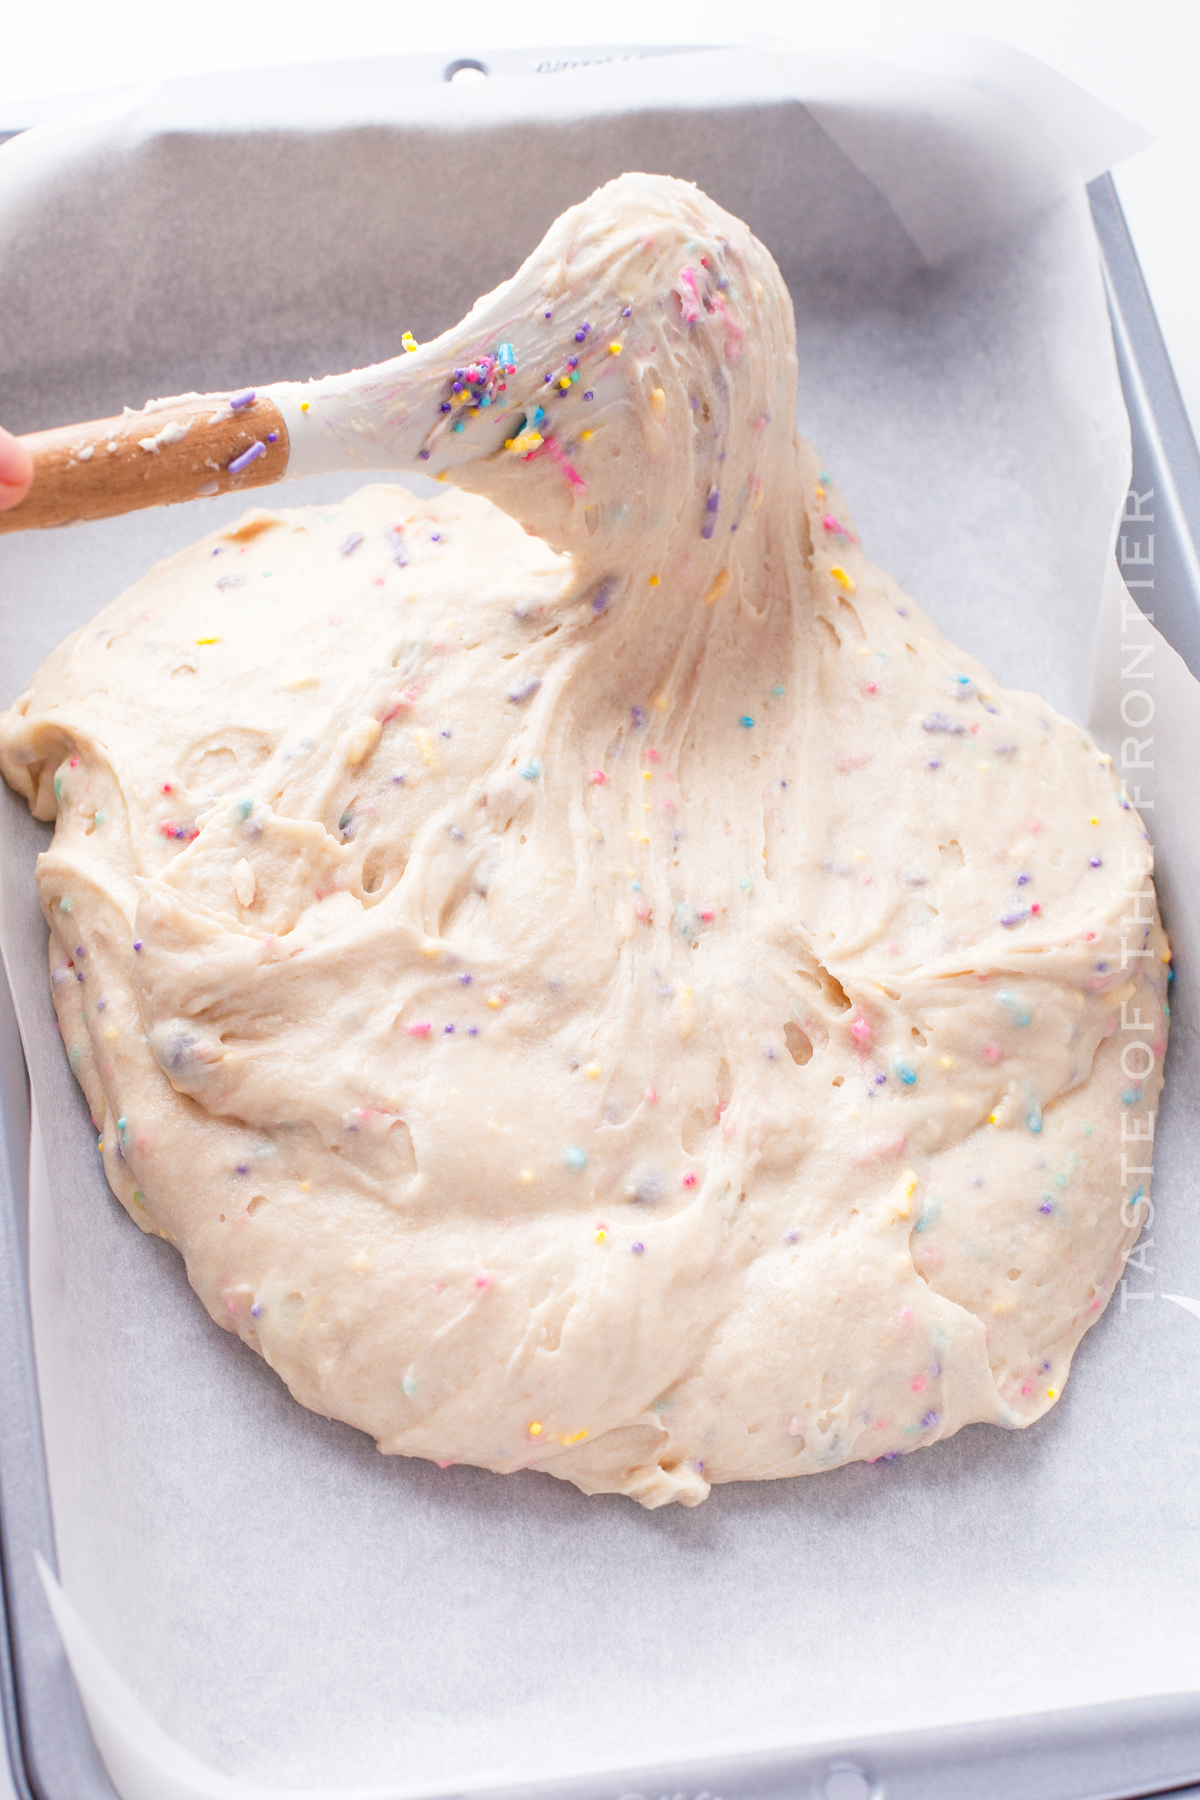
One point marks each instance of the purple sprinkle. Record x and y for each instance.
(1016, 916)
(435, 537)
(424, 455)
(256, 1310)
(546, 378)
(257, 449)
(1045, 1367)
(699, 1468)
(243, 399)
(519, 695)
(933, 763)
(939, 722)
(637, 1248)
(225, 581)
(445, 406)
(638, 717)
(457, 389)
(936, 1370)
(137, 943)
(1047, 1206)
(447, 1028)
(549, 315)
(472, 1031)
(397, 781)
(352, 542)
(589, 395)
(627, 312)
(572, 362)
(930, 1418)
(1021, 880)
(465, 980)
(714, 499)
(243, 1168)
(1095, 862)
(707, 530)
(272, 437)
(889, 1456)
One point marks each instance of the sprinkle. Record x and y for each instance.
(589, 396)
(574, 1157)
(304, 406)
(654, 581)
(137, 943)
(351, 544)
(207, 640)
(243, 1168)
(272, 438)
(614, 349)
(905, 1071)
(257, 449)
(651, 1096)
(421, 1028)
(535, 1425)
(658, 403)
(519, 695)
(593, 1071)
(408, 342)
(637, 1249)
(600, 1236)
(459, 425)
(240, 400)
(842, 579)
(531, 771)
(746, 720)
(717, 589)
(689, 1179)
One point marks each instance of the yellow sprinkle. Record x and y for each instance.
(985, 768)
(654, 581)
(526, 1176)
(1051, 1394)
(758, 290)
(658, 403)
(535, 1428)
(304, 1187)
(527, 440)
(643, 840)
(841, 577)
(304, 406)
(1095, 821)
(592, 1071)
(139, 1198)
(584, 436)
(408, 342)
(820, 493)
(865, 650)
(1166, 955)
(993, 1118)
(431, 949)
(647, 774)
(614, 349)
(600, 1236)
(495, 1001)
(662, 703)
(945, 1062)
(110, 1036)
(575, 1437)
(213, 640)
(564, 381)
(718, 588)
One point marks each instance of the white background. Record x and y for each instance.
(1141, 56)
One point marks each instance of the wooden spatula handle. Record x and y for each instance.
(198, 445)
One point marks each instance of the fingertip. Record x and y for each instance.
(16, 470)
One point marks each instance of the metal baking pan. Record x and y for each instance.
(1112, 1752)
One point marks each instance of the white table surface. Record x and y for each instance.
(1141, 56)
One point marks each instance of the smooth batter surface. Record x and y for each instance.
(631, 1000)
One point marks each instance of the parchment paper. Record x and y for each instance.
(290, 1607)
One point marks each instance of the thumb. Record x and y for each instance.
(16, 470)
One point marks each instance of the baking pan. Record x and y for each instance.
(1122, 1750)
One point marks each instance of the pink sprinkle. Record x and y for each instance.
(1036, 907)
(74, 763)
(905, 1315)
(707, 913)
(447, 1464)
(1089, 937)
(860, 1030)
(485, 1281)
(832, 524)
(870, 687)
(597, 778)
(689, 1179)
(1027, 1388)
(651, 1096)
(1158, 1048)
(652, 754)
(917, 1383)
(572, 474)
(992, 1053)
(421, 1029)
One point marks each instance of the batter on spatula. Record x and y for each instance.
(585, 974)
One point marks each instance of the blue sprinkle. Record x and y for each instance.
(778, 690)
(460, 425)
(245, 808)
(905, 1071)
(532, 770)
(1034, 1120)
(746, 720)
(574, 1157)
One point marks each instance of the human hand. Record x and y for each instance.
(16, 470)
